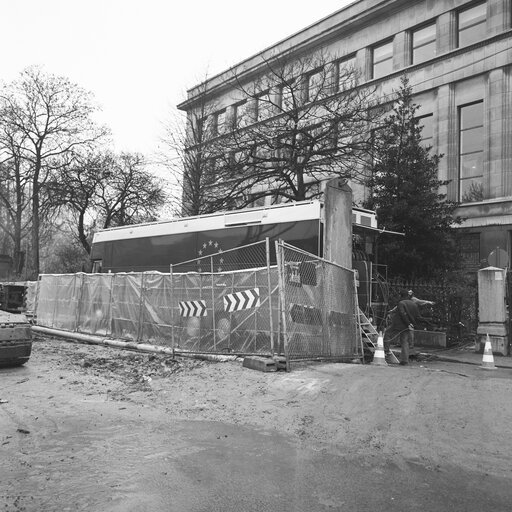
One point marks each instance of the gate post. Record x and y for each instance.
(338, 223)
(282, 299)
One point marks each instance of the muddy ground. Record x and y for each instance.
(438, 416)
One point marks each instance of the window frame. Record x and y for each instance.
(289, 87)
(220, 128)
(431, 137)
(470, 27)
(318, 90)
(342, 64)
(382, 44)
(258, 111)
(460, 152)
(240, 114)
(434, 40)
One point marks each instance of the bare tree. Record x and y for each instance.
(102, 190)
(189, 153)
(301, 122)
(50, 117)
(306, 120)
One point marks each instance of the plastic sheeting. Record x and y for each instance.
(313, 314)
(186, 311)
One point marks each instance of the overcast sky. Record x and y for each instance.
(138, 57)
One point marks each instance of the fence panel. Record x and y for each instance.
(224, 312)
(318, 301)
(95, 304)
(57, 306)
(218, 306)
(305, 307)
(157, 309)
(126, 305)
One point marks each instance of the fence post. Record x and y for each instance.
(269, 284)
(172, 308)
(79, 301)
(141, 304)
(282, 297)
(110, 302)
(213, 306)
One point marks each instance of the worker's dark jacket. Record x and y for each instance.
(407, 312)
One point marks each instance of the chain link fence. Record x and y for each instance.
(192, 309)
(303, 308)
(226, 302)
(318, 306)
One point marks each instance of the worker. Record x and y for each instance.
(403, 322)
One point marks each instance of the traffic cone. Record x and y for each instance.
(488, 359)
(379, 358)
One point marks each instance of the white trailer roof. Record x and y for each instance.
(287, 212)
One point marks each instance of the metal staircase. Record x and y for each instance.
(369, 337)
(368, 332)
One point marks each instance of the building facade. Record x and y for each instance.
(457, 55)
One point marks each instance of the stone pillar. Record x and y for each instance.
(401, 50)
(364, 64)
(496, 100)
(506, 135)
(498, 16)
(331, 78)
(230, 117)
(446, 32)
(447, 139)
(492, 311)
(338, 223)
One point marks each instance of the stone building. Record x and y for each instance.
(458, 57)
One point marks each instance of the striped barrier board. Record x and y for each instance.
(242, 300)
(193, 308)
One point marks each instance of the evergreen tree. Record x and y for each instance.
(406, 195)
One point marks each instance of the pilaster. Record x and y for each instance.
(498, 16)
(506, 135)
(364, 63)
(494, 127)
(447, 139)
(401, 50)
(446, 32)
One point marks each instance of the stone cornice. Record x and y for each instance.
(354, 20)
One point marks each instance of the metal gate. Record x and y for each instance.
(318, 304)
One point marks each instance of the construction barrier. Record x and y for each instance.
(319, 305)
(303, 308)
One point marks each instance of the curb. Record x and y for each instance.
(454, 360)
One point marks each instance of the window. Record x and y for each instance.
(240, 115)
(383, 59)
(427, 132)
(423, 43)
(315, 84)
(220, 122)
(346, 74)
(287, 96)
(212, 166)
(262, 106)
(471, 151)
(471, 24)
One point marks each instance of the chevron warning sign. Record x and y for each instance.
(242, 300)
(193, 308)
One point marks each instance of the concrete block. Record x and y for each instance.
(262, 364)
(429, 339)
(499, 344)
(280, 362)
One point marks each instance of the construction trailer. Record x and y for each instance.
(155, 246)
